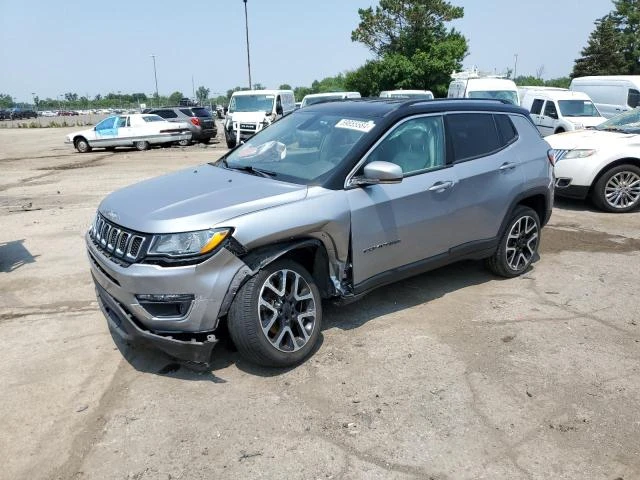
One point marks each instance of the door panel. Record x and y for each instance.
(398, 224)
(106, 132)
(547, 122)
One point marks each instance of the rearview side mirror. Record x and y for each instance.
(376, 173)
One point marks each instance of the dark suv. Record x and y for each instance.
(201, 123)
(379, 191)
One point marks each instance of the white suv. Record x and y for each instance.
(559, 110)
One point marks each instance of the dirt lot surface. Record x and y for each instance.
(455, 374)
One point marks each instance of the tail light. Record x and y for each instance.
(195, 121)
(551, 155)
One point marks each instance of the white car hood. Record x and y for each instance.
(591, 139)
(249, 117)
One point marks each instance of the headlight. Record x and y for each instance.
(579, 154)
(189, 243)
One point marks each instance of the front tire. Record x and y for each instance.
(276, 316)
(184, 143)
(82, 145)
(519, 244)
(618, 190)
(141, 145)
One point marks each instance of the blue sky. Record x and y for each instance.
(51, 47)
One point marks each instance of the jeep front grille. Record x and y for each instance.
(116, 241)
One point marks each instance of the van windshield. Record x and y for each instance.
(578, 108)
(508, 95)
(425, 96)
(251, 103)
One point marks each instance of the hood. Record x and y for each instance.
(251, 117)
(586, 121)
(195, 199)
(589, 139)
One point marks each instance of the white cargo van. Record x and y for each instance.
(557, 110)
(473, 84)
(612, 94)
(252, 110)
(314, 98)
(408, 94)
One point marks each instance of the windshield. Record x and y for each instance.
(314, 100)
(578, 108)
(508, 95)
(628, 122)
(152, 118)
(303, 147)
(251, 103)
(426, 96)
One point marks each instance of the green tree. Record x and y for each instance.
(561, 82)
(202, 93)
(603, 54)
(6, 100)
(627, 18)
(175, 97)
(301, 92)
(529, 80)
(410, 38)
(285, 86)
(259, 86)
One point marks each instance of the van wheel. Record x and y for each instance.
(184, 142)
(560, 130)
(82, 145)
(618, 190)
(231, 143)
(518, 246)
(276, 316)
(141, 145)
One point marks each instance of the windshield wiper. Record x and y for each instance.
(250, 169)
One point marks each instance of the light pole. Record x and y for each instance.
(155, 75)
(515, 67)
(246, 24)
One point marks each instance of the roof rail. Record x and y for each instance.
(474, 73)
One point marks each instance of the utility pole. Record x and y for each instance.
(193, 87)
(515, 67)
(246, 23)
(155, 75)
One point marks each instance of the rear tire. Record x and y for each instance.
(82, 145)
(618, 189)
(184, 143)
(142, 145)
(276, 316)
(230, 143)
(206, 140)
(519, 244)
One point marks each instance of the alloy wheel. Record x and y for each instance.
(287, 310)
(522, 243)
(622, 190)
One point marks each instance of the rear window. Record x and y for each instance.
(633, 99)
(200, 112)
(472, 135)
(166, 113)
(506, 129)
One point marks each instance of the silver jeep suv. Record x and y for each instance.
(329, 202)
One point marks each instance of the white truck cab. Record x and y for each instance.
(252, 110)
(612, 94)
(557, 110)
(474, 84)
(408, 94)
(314, 98)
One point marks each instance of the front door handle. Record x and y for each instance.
(440, 186)
(508, 166)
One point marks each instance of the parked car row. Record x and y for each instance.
(17, 114)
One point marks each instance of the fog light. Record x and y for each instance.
(166, 305)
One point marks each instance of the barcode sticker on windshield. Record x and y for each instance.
(358, 125)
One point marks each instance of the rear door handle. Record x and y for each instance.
(508, 166)
(440, 186)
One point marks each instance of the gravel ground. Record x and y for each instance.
(454, 374)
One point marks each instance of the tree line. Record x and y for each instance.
(413, 48)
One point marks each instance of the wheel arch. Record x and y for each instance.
(311, 253)
(537, 198)
(609, 166)
(78, 137)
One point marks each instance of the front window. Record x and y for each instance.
(106, 124)
(578, 108)
(508, 95)
(627, 122)
(152, 118)
(252, 103)
(304, 147)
